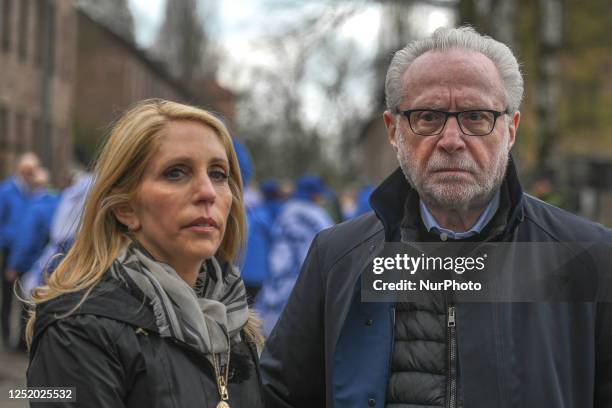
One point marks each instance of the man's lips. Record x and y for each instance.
(449, 170)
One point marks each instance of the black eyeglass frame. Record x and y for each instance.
(496, 114)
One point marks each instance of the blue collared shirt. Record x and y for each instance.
(432, 225)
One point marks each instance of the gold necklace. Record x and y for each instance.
(222, 379)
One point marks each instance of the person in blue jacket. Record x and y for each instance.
(261, 218)
(295, 227)
(15, 195)
(253, 262)
(33, 235)
(35, 227)
(63, 230)
(362, 202)
(273, 198)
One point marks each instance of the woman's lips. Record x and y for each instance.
(203, 225)
(202, 229)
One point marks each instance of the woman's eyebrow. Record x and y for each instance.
(219, 160)
(175, 160)
(189, 160)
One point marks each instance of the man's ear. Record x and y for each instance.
(389, 119)
(512, 128)
(126, 215)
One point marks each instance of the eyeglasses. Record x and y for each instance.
(430, 122)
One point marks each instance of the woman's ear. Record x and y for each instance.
(126, 215)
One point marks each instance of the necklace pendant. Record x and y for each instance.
(223, 404)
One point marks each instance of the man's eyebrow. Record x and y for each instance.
(478, 106)
(431, 106)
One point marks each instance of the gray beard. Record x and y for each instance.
(454, 193)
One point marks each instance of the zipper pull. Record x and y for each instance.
(223, 388)
(142, 331)
(451, 316)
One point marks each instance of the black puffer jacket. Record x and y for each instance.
(109, 350)
(419, 369)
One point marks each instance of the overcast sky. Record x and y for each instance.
(243, 22)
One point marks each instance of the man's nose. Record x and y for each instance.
(451, 138)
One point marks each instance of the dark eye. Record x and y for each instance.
(475, 115)
(218, 174)
(427, 116)
(175, 173)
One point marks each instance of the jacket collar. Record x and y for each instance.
(389, 200)
(107, 299)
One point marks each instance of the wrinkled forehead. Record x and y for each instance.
(469, 73)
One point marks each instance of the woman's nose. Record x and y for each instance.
(205, 189)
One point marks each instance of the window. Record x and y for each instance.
(22, 39)
(49, 13)
(39, 32)
(44, 35)
(7, 8)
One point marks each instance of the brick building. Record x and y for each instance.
(66, 76)
(37, 61)
(111, 75)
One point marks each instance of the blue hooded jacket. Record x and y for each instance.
(15, 198)
(295, 228)
(33, 232)
(255, 261)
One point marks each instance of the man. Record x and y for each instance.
(33, 235)
(261, 218)
(15, 195)
(62, 231)
(452, 117)
(33, 230)
(300, 219)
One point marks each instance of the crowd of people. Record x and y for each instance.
(282, 222)
(37, 226)
(39, 223)
(27, 206)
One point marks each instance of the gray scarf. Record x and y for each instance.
(206, 317)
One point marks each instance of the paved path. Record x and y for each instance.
(12, 375)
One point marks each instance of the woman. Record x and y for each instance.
(146, 309)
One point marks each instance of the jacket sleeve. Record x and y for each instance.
(79, 351)
(603, 372)
(293, 361)
(27, 243)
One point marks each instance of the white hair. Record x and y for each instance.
(456, 38)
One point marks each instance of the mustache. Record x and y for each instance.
(437, 163)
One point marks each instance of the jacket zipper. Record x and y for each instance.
(452, 358)
(390, 362)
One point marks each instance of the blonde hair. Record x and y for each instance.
(118, 171)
